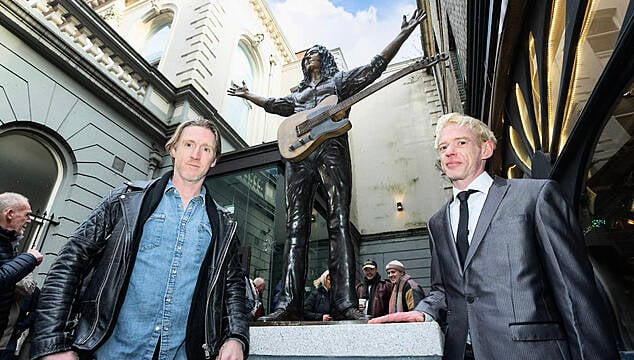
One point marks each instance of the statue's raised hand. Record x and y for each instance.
(237, 90)
(416, 18)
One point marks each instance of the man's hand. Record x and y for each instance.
(236, 90)
(37, 254)
(409, 316)
(326, 317)
(66, 355)
(230, 350)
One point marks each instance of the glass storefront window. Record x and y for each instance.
(600, 30)
(256, 197)
(607, 214)
(533, 128)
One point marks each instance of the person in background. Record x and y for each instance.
(406, 293)
(252, 302)
(19, 347)
(260, 286)
(15, 216)
(374, 290)
(317, 304)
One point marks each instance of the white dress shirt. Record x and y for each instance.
(481, 184)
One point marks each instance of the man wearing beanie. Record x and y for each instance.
(406, 293)
(374, 290)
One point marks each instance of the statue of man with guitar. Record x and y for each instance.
(315, 144)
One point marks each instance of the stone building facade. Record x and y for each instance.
(92, 90)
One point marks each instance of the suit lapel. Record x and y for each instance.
(491, 204)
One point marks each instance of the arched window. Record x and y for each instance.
(156, 42)
(237, 109)
(34, 169)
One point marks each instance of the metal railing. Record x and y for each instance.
(38, 230)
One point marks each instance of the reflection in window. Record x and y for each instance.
(602, 23)
(598, 36)
(156, 43)
(237, 109)
(251, 195)
(256, 197)
(608, 213)
(556, 48)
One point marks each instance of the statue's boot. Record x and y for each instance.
(352, 313)
(281, 315)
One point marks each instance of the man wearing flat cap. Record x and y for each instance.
(406, 293)
(374, 290)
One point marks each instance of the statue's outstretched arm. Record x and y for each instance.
(406, 29)
(243, 92)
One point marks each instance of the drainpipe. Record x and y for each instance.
(427, 44)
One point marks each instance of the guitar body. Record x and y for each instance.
(295, 147)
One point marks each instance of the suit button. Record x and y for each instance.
(470, 299)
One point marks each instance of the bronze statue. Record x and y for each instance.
(326, 165)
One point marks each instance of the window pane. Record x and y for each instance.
(237, 109)
(257, 199)
(156, 43)
(607, 213)
(252, 196)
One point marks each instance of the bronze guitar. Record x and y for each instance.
(300, 133)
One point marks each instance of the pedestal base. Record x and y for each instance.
(346, 340)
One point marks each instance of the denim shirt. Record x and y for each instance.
(162, 283)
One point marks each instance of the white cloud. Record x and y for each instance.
(360, 35)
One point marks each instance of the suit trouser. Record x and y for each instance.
(328, 170)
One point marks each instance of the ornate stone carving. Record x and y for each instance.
(55, 13)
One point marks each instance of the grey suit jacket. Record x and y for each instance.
(528, 290)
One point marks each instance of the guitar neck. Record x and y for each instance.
(347, 103)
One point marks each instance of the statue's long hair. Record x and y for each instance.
(328, 66)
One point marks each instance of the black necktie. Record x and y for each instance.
(463, 225)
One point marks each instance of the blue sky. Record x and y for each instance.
(357, 5)
(361, 28)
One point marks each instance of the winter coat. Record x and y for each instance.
(12, 269)
(317, 304)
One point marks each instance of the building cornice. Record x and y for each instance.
(85, 28)
(70, 34)
(52, 44)
(273, 29)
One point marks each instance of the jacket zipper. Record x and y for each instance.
(103, 285)
(213, 282)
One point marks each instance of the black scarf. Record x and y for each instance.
(8, 240)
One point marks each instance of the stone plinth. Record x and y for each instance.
(345, 340)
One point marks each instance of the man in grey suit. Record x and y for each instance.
(509, 264)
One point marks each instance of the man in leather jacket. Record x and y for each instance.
(327, 168)
(374, 290)
(153, 273)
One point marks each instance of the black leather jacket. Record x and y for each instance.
(86, 285)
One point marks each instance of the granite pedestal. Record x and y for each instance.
(346, 340)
